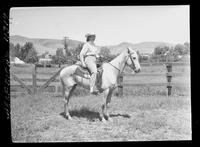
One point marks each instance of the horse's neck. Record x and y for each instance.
(119, 62)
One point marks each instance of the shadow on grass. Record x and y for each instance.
(90, 115)
(122, 115)
(83, 113)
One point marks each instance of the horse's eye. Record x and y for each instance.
(134, 58)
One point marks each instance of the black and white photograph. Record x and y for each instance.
(100, 73)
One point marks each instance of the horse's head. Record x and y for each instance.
(132, 60)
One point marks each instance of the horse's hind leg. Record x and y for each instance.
(67, 94)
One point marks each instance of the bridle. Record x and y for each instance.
(133, 64)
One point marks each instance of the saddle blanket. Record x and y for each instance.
(85, 73)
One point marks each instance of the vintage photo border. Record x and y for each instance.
(5, 90)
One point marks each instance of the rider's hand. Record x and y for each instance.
(84, 65)
(97, 56)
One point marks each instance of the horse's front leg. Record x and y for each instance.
(106, 100)
(103, 107)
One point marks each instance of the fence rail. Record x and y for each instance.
(38, 79)
(163, 63)
(25, 82)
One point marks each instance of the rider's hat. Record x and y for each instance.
(89, 35)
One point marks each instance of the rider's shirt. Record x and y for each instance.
(88, 49)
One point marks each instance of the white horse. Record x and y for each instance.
(111, 71)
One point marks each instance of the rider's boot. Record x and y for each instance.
(93, 89)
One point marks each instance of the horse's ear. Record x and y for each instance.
(128, 50)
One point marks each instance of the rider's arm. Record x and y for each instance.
(82, 54)
(97, 52)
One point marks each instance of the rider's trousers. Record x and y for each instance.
(90, 62)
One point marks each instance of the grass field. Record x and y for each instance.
(143, 113)
(136, 118)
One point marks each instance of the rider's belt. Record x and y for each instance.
(90, 55)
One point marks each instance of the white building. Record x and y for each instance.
(16, 60)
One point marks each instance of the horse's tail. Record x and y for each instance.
(62, 86)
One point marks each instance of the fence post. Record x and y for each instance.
(169, 78)
(34, 79)
(120, 85)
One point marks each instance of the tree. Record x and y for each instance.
(31, 56)
(59, 52)
(59, 58)
(15, 50)
(106, 54)
(12, 49)
(67, 52)
(66, 47)
(54, 59)
(187, 47)
(18, 50)
(28, 53)
(76, 52)
(161, 50)
(179, 49)
(104, 51)
(25, 49)
(159, 53)
(186, 44)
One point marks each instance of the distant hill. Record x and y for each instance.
(143, 47)
(51, 45)
(42, 45)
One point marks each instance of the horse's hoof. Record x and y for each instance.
(69, 118)
(110, 119)
(95, 92)
(103, 120)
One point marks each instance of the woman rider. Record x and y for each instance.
(88, 57)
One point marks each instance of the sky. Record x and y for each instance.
(111, 24)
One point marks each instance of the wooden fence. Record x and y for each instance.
(34, 80)
(30, 80)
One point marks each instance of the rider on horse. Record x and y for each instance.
(88, 57)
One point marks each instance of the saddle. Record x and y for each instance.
(85, 73)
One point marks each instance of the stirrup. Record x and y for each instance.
(95, 91)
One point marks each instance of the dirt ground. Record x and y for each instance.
(135, 118)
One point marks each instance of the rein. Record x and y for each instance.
(125, 64)
(114, 66)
